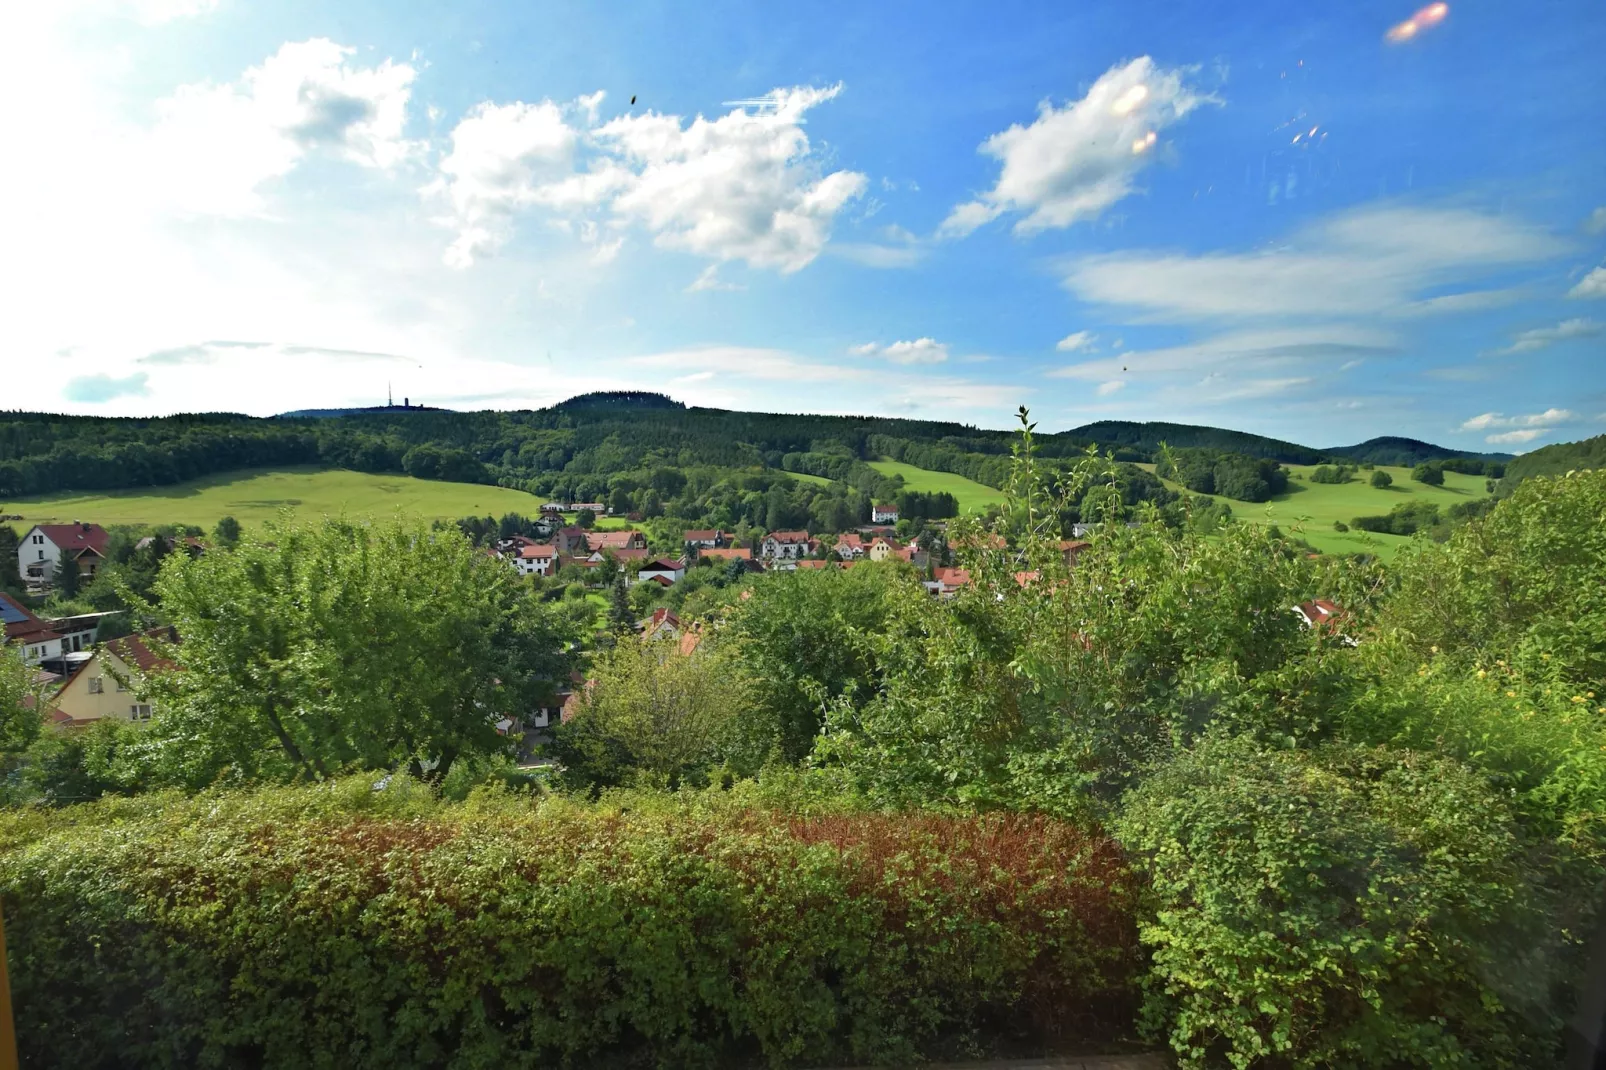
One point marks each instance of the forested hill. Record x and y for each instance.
(570, 449)
(1555, 460)
(1406, 452)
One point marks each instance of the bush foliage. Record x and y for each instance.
(336, 926)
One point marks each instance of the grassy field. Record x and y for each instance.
(804, 477)
(1312, 507)
(973, 497)
(260, 494)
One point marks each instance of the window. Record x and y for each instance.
(96, 685)
(139, 711)
(122, 685)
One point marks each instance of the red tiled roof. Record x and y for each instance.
(952, 577)
(789, 536)
(817, 564)
(629, 553)
(726, 553)
(700, 535)
(662, 565)
(1319, 611)
(28, 630)
(76, 537)
(135, 650)
(536, 551)
(850, 540)
(612, 540)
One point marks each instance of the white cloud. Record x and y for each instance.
(899, 249)
(1374, 261)
(1541, 337)
(1510, 438)
(1106, 389)
(919, 351)
(1076, 342)
(95, 389)
(710, 280)
(743, 186)
(1596, 223)
(1591, 285)
(1549, 418)
(214, 145)
(1073, 162)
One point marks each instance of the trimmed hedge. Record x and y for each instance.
(340, 927)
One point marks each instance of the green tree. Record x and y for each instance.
(10, 578)
(20, 709)
(339, 645)
(649, 712)
(1381, 479)
(228, 531)
(586, 519)
(67, 579)
(1431, 474)
(621, 619)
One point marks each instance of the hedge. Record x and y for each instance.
(342, 927)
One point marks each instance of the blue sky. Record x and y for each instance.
(1317, 224)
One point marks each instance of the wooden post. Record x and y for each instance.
(8, 1029)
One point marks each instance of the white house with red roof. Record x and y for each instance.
(38, 640)
(704, 539)
(780, 546)
(44, 546)
(536, 559)
(850, 546)
(883, 513)
(662, 570)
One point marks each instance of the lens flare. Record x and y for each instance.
(1143, 144)
(1128, 101)
(1431, 15)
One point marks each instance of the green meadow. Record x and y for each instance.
(255, 495)
(973, 497)
(1310, 508)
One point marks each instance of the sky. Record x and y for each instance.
(1321, 223)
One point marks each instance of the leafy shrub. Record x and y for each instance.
(1431, 474)
(342, 927)
(1407, 518)
(1232, 475)
(1381, 479)
(1328, 473)
(1351, 907)
(1339, 525)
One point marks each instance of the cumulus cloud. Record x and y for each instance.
(1073, 162)
(98, 388)
(919, 351)
(214, 145)
(1512, 438)
(1490, 420)
(1076, 342)
(1542, 337)
(1591, 285)
(743, 186)
(1108, 388)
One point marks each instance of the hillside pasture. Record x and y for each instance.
(973, 497)
(1311, 508)
(255, 495)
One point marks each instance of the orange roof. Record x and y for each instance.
(850, 540)
(816, 564)
(952, 577)
(789, 536)
(535, 551)
(727, 553)
(613, 540)
(699, 535)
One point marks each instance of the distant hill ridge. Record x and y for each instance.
(1406, 452)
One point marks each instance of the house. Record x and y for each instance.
(572, 541)
(615, 540)
(1071, 549)
(37, 639)
(590, 507)
(45, 544)
(704, 540)
(871, 531)
(77, 633)
(1318, 613)
(110, 683)
(881, 549)
(1081, 531)
(661, 569)
(631, 553)
(536, 559)
(785, 546)
(191, 545)
(554, 509)
(883, 513)
(816, 563)
(946, 582)
(663, 624)
(850, 545)
(914, 555)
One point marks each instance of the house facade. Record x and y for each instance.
(882, 549)
(662, 570)
(781, 546)
(704, 540)
(536, 559)
(884, 513)
(37, 640)
(110, 683)
(850, 546)
(44, 546)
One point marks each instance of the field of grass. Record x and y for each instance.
(256, 495)
(973, 497)
(1312, 507)
(804, 477)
